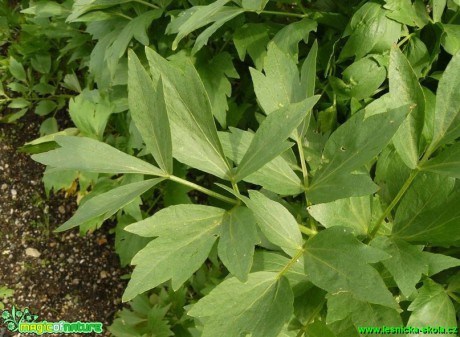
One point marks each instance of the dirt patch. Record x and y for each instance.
(58, 276)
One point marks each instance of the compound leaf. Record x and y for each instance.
(270, 139)
(186, 234)
(194, 134)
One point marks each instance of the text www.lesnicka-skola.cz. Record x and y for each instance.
(433, 330)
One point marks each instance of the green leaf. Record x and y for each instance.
(419, 201)
(197, 17)
(259, 307)
(406, 264)
(318, 329)
(438, 9)
(342, 185)
(354, 213)
(437, 226)
(106, 204)
(371, 31)
(215, 74)
(17, 70)
(18, 103)
(405, 89)
(42, 63)
(363, 314)
(86, 154)
(408, 12)
(308, 72)
(439, 262)
(336, 261)
(281, 69)
(350, 147)
(237, 240)
(447, 113)
(225, 14)
(254, 5)
(447, 162)
(90, 112)
(194, 134)
(183, 231)
(276, 176)
(252, 38)
(45, 107)
(432, 308)
(451, 38)
(148, 110)
(49, 126)
(275, 221)
(356, 81)
(81, 7)
(287, 39)
(270, 139)
(276, 262)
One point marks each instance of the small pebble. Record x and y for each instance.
(4, 187)
(32, 252)
(14, 193)
(61, 209)
(103, 274)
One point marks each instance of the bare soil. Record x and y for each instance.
(57, 276)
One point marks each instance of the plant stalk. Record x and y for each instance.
(203, 190)
(395, 201)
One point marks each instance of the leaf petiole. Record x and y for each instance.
(203, 190)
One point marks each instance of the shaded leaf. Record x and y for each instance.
(447, 162)
(106, 204)
(259, 307)
(148, 110)
(432, 308)
(406, 264)
(337, 262)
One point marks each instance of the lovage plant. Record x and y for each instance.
(330, 209)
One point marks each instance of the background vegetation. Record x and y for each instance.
(275, 168)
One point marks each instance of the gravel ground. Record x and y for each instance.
(58, 276)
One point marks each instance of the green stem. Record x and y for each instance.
(307, 231)
(395, 201)
(302, 163)
(291, 262)
(408, 37)
(295, 15)
(235, 187)
(203, 190)
(146, 4)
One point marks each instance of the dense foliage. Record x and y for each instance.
(275, 168)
